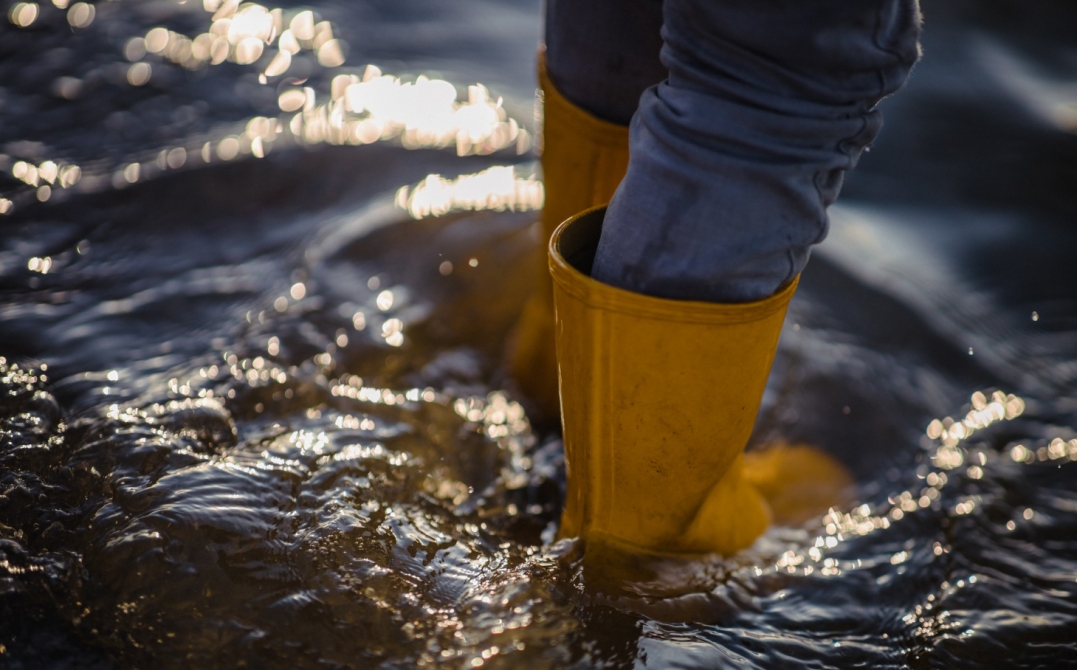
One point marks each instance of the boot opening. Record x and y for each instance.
(578, 243)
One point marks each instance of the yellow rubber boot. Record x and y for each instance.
(583, 160)
(798, 481)
(658, 400)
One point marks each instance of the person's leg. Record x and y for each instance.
(602, 54)
(670, 304)
(736, 157)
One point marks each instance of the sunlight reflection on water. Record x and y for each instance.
(361, 109)
(272, 429)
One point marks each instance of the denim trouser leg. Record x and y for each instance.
(602, 54)
(737, 155)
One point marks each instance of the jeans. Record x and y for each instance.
(742, 124)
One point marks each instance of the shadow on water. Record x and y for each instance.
(253, 408)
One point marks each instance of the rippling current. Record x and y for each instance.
(258, 268)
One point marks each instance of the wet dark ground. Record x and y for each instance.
(254, 414)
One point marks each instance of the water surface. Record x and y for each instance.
(254, 412)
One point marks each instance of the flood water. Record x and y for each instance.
(253, 410)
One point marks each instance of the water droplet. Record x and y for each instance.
(23, 14)
(249, 50)
(81, 15)
(302, 25)
(139, 74)
(176, 158)
(228, 149)
(279, 65)
(156, 40)
(135, 49)
(385, 300)
(331, 54)
(131, 173)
